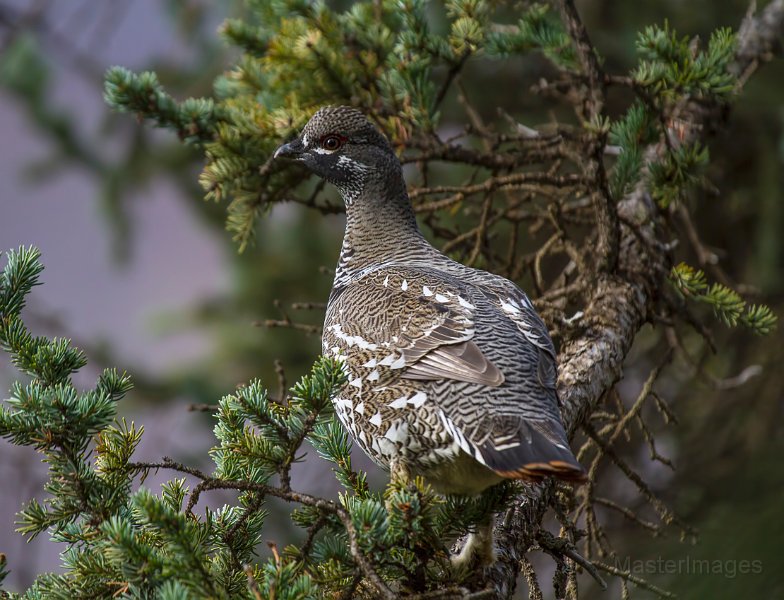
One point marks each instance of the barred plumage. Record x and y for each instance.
(451, 373)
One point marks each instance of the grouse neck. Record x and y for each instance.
(380, 228)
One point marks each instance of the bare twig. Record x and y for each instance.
(561, 546)
(586, 54)
(282, 387)
(634, 579)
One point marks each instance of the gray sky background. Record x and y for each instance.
(175, 260)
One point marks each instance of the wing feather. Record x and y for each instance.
(419, 335)
(459, 362)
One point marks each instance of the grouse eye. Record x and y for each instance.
(331, 142)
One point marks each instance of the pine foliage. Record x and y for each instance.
(122, 539)
(383, 58)
(726, 302)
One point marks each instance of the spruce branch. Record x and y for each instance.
(588, 370)
(726, 302)
(194, 120)
(537, 30)
(3, 573)
(141, 540)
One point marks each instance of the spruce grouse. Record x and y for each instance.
(451, 372)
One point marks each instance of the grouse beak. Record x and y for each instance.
(293, 149)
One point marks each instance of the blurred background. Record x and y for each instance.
(141, 274)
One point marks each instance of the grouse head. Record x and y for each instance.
(340, 145)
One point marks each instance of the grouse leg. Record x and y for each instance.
(478, 549)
